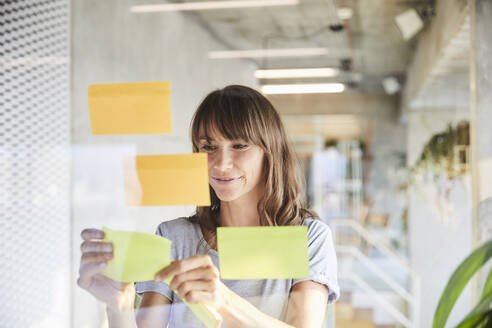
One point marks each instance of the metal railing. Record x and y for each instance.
(412, 296)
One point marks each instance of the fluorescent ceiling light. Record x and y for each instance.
(302, 88)
(345, 13)
(409, 23)
(295, 73)
(259, 53)
(209, 5)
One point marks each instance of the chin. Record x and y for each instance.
(227, 197)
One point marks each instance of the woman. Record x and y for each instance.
(252, 183)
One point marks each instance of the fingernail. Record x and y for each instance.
(157, 278)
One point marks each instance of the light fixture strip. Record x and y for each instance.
(210, 5)
(261, 53)
(296, 73)
(303, 88)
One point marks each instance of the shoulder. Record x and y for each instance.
(323, 265)
(179, 226)
(318, 231)
(184, 234)
(317, 228)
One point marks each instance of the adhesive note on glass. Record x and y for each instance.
(137, 256)
(130, 108)
(158, 180)
(207, 314)
(263, 252)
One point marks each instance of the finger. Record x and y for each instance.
(202, 273)
(195, 285)
(88, 234)
(87, 271)
(181, 266)
(94, 246)
(90, 269)
(95, 257)
(157, 275)
(198, 296)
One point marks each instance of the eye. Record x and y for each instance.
(208, 147)
(240, 146)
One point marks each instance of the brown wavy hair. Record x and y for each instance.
(239, 112)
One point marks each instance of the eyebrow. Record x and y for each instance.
(208, 139)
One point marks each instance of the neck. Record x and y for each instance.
(240, 212)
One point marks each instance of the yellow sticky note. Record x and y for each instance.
(157, 180)
(130, 108)
(263, 252)
(137, 256)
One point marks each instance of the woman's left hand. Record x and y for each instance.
(196, 279)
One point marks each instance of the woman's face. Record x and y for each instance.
(234, 167)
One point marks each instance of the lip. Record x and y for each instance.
(226, 180)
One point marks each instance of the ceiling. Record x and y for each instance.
(439, 75)
(370, 39)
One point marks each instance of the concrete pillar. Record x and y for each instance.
(481, 112)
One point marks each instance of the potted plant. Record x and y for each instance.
(481, 314)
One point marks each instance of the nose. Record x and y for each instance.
(223, 160)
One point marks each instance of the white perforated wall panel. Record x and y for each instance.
(34, 163)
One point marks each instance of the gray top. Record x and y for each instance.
(268, 295)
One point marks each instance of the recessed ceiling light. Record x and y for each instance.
(391, 85)
(295, 73)
(259, 53)
(209, 5)
(303, 88)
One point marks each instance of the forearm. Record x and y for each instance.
(121, 318)
(237, 312)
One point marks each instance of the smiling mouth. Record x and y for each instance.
(226, 179)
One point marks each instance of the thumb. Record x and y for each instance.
(87, 272)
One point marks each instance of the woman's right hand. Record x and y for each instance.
(95, 256)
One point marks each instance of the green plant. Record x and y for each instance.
(481, 315)
(444, 158)
(438, 154)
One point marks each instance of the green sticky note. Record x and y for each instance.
(207, 315)
(137, 256)
(263, 252)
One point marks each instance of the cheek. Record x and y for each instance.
(211, 161)
(255, 165)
